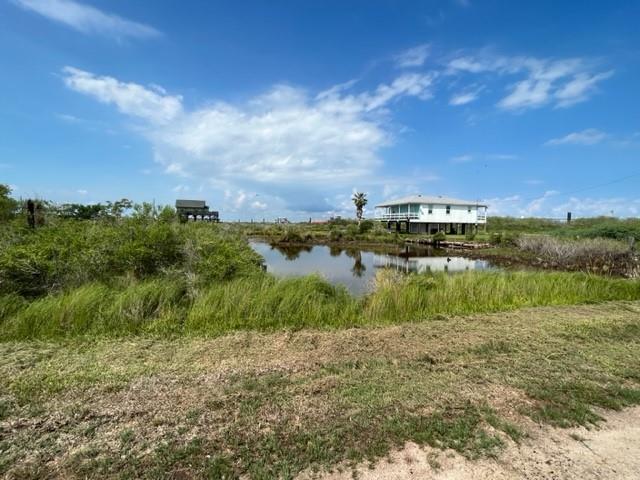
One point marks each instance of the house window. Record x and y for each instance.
(469, 209)
(430, 209)
(448, 209)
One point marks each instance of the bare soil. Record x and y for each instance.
(610, 451)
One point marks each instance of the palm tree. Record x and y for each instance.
(359, 200)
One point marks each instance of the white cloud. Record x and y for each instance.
(500, 156)
(257, 205)
(590, 207)
(590, 136)
(181, 188)
(88, 19)
(82, 192)
(69, 118)
(551, 205)
(562, 82)
(463, 98)
(129, 98)
(487, 156)
(515, 205)
(282, 136)
(579, 89)
(462, 158)
(413, 57)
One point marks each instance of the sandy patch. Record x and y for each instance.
(611, 451)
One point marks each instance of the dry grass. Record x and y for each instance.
(592, 254)
(272, 405)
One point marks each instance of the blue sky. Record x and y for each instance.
(283, 108)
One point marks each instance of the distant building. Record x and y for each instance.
(424, 214)
(197, 209)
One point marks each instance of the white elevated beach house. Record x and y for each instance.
(423, 214)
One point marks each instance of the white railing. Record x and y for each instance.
(397, 216)
(482, 218)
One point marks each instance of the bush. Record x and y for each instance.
(504, 239)
(71, 253)
(352, 231)
(439, 237)
(365, 226)
(8, 206)
(291, 235)
(335, 234)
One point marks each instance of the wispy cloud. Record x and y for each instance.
(579, 89)
(500, 156)
(130, 98)
(560, 82)
(466, 96)
(88, 19)
(486, 156)
(461, 158)
(590, 136)
(413, 57)
(68, 118)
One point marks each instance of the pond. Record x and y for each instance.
(354, 267)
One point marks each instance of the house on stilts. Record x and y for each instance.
(429, 215)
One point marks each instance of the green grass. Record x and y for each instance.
(273, 405)
(168, 306)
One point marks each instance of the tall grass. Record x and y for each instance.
(422, 297)
(263, 302)
(97, 309)
(266, 303)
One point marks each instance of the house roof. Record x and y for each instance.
(191, 204)
(431, 200)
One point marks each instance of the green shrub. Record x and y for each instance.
(335, 234)
(352, 231)
(70, 253)
(365, 226)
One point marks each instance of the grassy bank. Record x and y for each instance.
(263, 406)
(171, 306)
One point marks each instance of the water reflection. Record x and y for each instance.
(354, 267)
(292, 252)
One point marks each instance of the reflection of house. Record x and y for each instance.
(428, 264)
(422, 214)
(197, 209)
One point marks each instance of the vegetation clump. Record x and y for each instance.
(596, 255)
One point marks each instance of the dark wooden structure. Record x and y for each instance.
(197, 209)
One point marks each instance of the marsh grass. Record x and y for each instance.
(167, 306)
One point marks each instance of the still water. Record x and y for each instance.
(355, 268)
